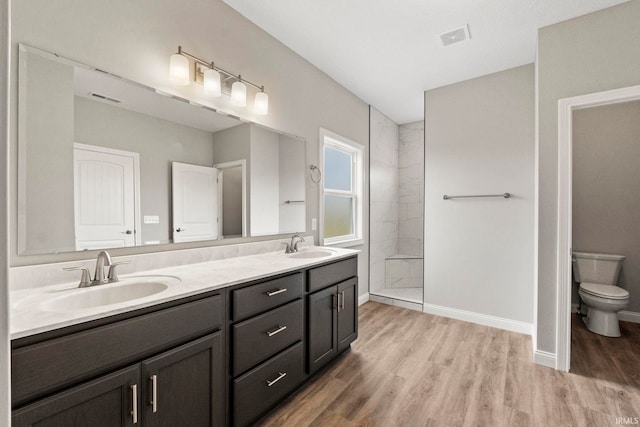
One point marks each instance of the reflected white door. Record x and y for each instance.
(195, 202)
(104, 197)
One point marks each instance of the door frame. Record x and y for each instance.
(566, 107)
(137, 234)
(228, 165)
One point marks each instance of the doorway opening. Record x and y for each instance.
(564, 282)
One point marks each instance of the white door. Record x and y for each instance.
(104, 197)
(195, 202)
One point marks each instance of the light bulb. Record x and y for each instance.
(212, 85)
(239, 94)
(261, 103)
(179, 70)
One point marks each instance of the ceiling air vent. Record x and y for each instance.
(104, 98)
(456, 36)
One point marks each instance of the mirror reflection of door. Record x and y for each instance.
(232, 199)
(195, 200)
(105, 182)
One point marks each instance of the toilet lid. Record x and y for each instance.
(605, 291)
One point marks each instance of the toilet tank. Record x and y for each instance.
(597, 268)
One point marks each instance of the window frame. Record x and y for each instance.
(340, 143)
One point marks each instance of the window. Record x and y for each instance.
(341, 190)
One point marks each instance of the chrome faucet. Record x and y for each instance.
(294, 244)
(103, 260)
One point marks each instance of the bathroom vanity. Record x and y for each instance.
(223, 355)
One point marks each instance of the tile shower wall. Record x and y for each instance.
(411, 190)
(383, 195)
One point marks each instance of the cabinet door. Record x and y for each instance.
(108, 401)
(347, 313)
(323, 345)
(184, 387)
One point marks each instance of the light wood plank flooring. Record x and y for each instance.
(413, 369)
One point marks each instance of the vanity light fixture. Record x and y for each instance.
(179, 68)
(261, 103)
(239, 93)
(215, 80)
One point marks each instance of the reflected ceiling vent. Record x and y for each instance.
(456, 36)
(104, 97)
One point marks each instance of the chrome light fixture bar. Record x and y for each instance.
(213, 82)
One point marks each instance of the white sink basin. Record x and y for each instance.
(312, 253)
(128, 289)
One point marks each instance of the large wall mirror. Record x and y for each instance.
(104, 162)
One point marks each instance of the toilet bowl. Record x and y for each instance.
(603, 303)
(598, 274)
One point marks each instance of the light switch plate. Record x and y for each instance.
(151, 219)
(314, 224)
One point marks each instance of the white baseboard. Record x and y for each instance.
(629, 316)
(481, 319)
(363, 298)
(397, 302)
(545, 358)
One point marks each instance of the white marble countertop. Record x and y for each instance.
(29, 315)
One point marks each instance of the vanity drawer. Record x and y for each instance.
(262, 336)
(261, 297)
(252, 393)
(328, 275)
(44, 367)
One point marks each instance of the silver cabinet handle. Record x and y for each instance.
(134, 411)
(342, 304)
(180, 229)
(338, 304)
(336, 301)
(276, 292)
(281, 375)
(127, 232)
(154, 393)
(277, 331)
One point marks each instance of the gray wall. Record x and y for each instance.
(606, 200)
(588, 54)
(265, 181)
(479, 139)
(291, 186)
(5, 383)
(235, 144)
(48, 107)
(302, 98)
(159, 142)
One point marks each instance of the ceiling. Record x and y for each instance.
(388, 52)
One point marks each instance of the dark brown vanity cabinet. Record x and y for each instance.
(126, 373)
(333, 318)
(267, 335)
(221, 358)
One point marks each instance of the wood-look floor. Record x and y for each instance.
(413, 369)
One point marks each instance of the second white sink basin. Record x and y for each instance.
(313, 253)
(125, 290)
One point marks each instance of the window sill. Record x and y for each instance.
(345, 244)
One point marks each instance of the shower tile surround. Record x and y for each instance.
(397, 194)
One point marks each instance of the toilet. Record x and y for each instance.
(597, 275)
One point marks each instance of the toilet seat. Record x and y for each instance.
(604, 291)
